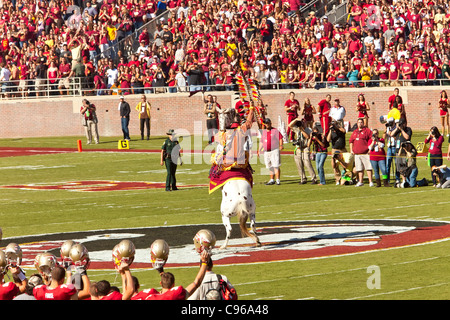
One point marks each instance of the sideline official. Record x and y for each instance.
(170, 152)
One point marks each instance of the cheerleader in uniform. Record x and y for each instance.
(362, 107)
(443, 111)
(308, 112)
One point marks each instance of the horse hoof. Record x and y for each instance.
(222, 247)
(258, 244)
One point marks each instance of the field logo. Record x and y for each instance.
(100, 185)
(281, 241)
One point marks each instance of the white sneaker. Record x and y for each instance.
(359, 184)
(371, 184)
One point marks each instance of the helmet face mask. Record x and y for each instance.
(204, 240)
(159, 253)
(45, 262)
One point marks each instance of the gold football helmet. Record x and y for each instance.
(3, 263)
(204, 240)
(159, 253)
(45, 262)
(124, 251)
(13, 254)
(79, 255)
(65, 251)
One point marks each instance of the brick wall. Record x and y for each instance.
(60, 116)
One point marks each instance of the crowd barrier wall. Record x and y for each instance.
(51, 117)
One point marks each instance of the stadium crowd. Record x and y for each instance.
(204, 43)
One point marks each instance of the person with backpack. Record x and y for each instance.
(214, 286)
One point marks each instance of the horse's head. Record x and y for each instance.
(226, 118)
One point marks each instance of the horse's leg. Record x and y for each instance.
(227, 224)
(227, 209)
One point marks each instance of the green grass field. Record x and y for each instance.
(411, 272)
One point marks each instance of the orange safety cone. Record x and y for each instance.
(80, 148)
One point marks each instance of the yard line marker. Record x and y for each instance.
(400, 291)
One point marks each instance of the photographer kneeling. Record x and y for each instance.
(442, 174)
(408, 169)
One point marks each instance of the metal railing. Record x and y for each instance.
(79, 87)
(39, 88)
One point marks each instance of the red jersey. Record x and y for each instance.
(294, 104)
(62, 292)
(8, 291)
(377, 154)
(142, 295)
(435, 145)
(176, 293)
(113, 295)
(391, 100)
(270, 139)
(324, 108)
(242, 107)
(360, 139)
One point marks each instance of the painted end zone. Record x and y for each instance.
(281, 241)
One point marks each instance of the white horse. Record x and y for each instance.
(237, 198)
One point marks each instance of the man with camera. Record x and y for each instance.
(301, 152)
(89, 121)
(336, 136)
(400, 133)
(359, 146)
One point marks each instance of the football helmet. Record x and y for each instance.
(124, 251)
(204, 240)
(159, 253)
(79, 255)
(3, 263)
(65, 249)
(45, 262)
(13, 254)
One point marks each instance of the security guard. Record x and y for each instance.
(170, 152)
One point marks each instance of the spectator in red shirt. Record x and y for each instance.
(435, 139)
(359, 146)
(292, 109)
(324, 114)
(271, 145)
(378, 158)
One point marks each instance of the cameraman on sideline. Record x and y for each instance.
(301, 152)
(401, 133)
(336, 136)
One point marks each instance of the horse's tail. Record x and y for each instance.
(243, 214)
